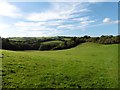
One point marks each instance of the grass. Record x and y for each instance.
(53, 42)
(17, 39)
(67, 39)
(88, 65)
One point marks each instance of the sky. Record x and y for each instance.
(37, 19)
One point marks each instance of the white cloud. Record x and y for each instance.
(42, 16)
(84, 24)
(77, 26)
(116, 21)
(28, 24)
(61, 0)
(59, 11)
(7, 9)
(106, 20)
(101, 1)
(32, 28)
(109, 21)
(54, 21)
(87, 22)
(3, 26)
(23, 26)
(67, 26)
(55, 18)
(42, 31)
(81, 18)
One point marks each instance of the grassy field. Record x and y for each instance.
(88, 65)
(52, 42)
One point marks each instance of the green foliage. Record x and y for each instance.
(54, 43)
(89, 65)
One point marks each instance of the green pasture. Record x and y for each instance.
(88, 65)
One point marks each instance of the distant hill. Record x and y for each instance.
(53, 43)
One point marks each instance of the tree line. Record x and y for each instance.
(37, 44)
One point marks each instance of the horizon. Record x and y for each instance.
(46, 19)
(61, 36)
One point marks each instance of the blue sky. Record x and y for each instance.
(36, 19)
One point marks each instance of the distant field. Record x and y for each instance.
(16, 39)
(52, 42)
(88, 65)
(67, 39)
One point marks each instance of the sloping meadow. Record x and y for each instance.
(88, 65)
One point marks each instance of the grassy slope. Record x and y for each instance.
(52, 42)
(87, 65)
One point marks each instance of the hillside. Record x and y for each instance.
(88, 65)
(53, 43)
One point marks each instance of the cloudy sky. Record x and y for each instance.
(36, 19)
